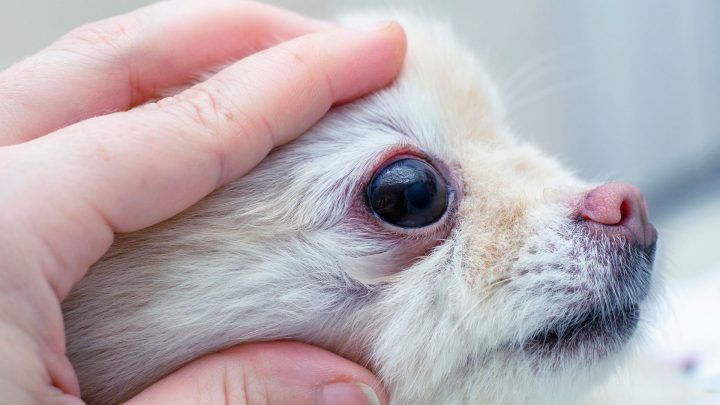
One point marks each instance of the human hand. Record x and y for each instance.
(83, 155)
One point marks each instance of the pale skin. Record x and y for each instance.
(85, 153)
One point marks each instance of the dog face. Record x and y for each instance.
(409, 231)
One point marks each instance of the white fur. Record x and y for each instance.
(290, 252)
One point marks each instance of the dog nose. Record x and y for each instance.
(620, 207)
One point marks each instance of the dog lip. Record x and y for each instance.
(611, 328)
(621, 231)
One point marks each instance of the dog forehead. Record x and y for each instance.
(454, 81)
(443, 74)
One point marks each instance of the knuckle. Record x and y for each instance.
(242, 385)
(201, 106)
(210, 114)
(293, 60)
(113, 33)
(207, 107)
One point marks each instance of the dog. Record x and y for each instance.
(410, 231)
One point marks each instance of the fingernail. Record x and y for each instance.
(376, 26)
(347, 394)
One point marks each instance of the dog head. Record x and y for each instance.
(410, 231)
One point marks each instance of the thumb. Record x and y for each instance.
(268, 374)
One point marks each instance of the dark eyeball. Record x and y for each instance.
(408, 193)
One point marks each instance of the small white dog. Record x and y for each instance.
(408, 231)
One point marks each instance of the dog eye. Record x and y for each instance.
(408, 193)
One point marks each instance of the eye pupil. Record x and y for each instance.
(420, 195)
(408, 193)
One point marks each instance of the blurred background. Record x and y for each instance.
(626, 90)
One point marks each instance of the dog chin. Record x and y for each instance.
(592, 335)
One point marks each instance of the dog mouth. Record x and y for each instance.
(598, 330)
(606, 317)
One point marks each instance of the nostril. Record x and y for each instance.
(626, 211)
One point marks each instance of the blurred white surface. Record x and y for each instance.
(689, 338)
(679, 362)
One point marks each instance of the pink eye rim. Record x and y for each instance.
(363, 217)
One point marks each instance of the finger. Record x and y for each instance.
(127, 171)
(114, 64)
(268, 373)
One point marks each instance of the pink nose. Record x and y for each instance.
(620, 208)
